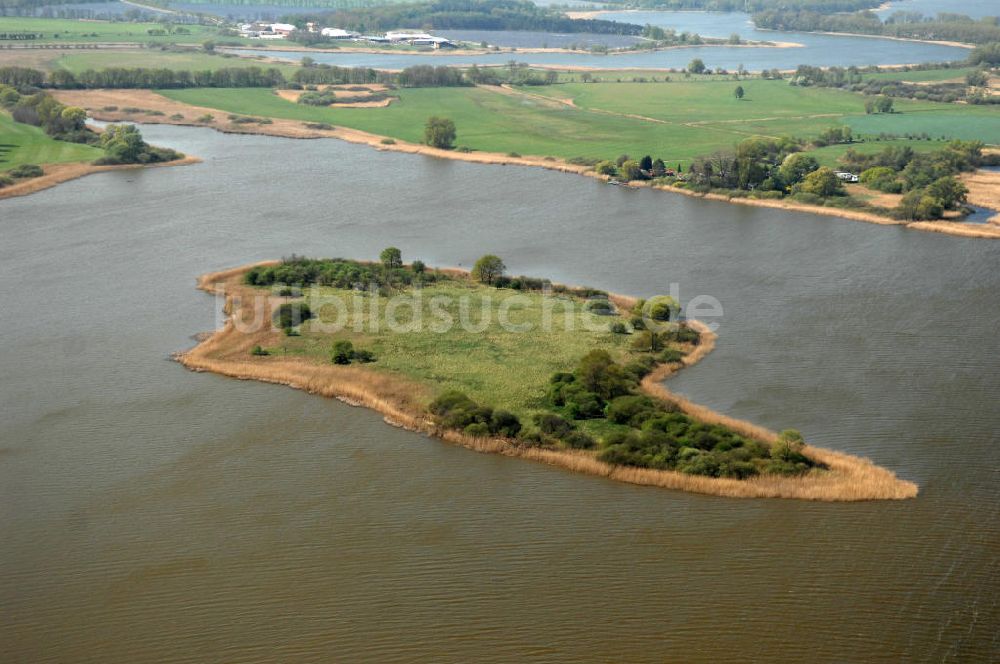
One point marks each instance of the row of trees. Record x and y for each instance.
(59, 121)
(878, 90)
(341, 273)
(465, 15)
(629, 169)
(228, 77)
(986, 54)
(927, 179)
(944, 27)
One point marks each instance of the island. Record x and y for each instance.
(514, 365)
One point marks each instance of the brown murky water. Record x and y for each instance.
(152, 514)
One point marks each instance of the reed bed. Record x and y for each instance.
(402, 403)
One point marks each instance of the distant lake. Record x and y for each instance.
(973, 8)
(521, 39)
(819, 50)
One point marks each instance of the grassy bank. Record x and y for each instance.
(407, 375)
(678, 120)
(486, 121)
(25, 144)
(58, 31)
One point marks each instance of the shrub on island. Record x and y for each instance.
(292, 314)
(344, 352)
(455, 410)
(25, 171)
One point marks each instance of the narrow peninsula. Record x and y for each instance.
(517, 366)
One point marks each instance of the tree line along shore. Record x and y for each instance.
(579, 389)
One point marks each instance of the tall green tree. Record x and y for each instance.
(822, 182)
(123, 143)
(796, 166)
(391, 258)
(488, 269)
(440, 133)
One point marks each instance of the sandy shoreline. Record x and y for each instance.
(96, 100)
(226, 352)
(59, 173)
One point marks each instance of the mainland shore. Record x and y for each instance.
(97, 100)
(227, 351)
(58, 173)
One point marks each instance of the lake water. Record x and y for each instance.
(524, 39)
(819, 50)
(973, 8)
(153, 514)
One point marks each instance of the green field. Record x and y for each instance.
(921, 76)
(24, 144)
(486, 120)
(676, 121)
(831, 154)
(498, 366)
(77, 62)
(74, 31)
(969, 123)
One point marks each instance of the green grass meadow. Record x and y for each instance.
(922, 76)
(831, 154)
(498, 366)
(969, 123)
(54, 30)
(486, 120)
(24, 144)
(677, 121)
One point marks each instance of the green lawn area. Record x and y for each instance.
(486, 120)
(498, 366)
(69, 30)
(24, 144)
(830, 155)
(708, 101)
(921, 76)
(79, 61)
(683, 119)
(949, 120)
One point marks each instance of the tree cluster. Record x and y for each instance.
(909, 25)
(123, 144)
(880, 92)
(344, 352)
(455, 410)
(927, 179)
(339, 273)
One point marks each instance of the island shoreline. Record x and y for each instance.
(56, 174)
(849, 478)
